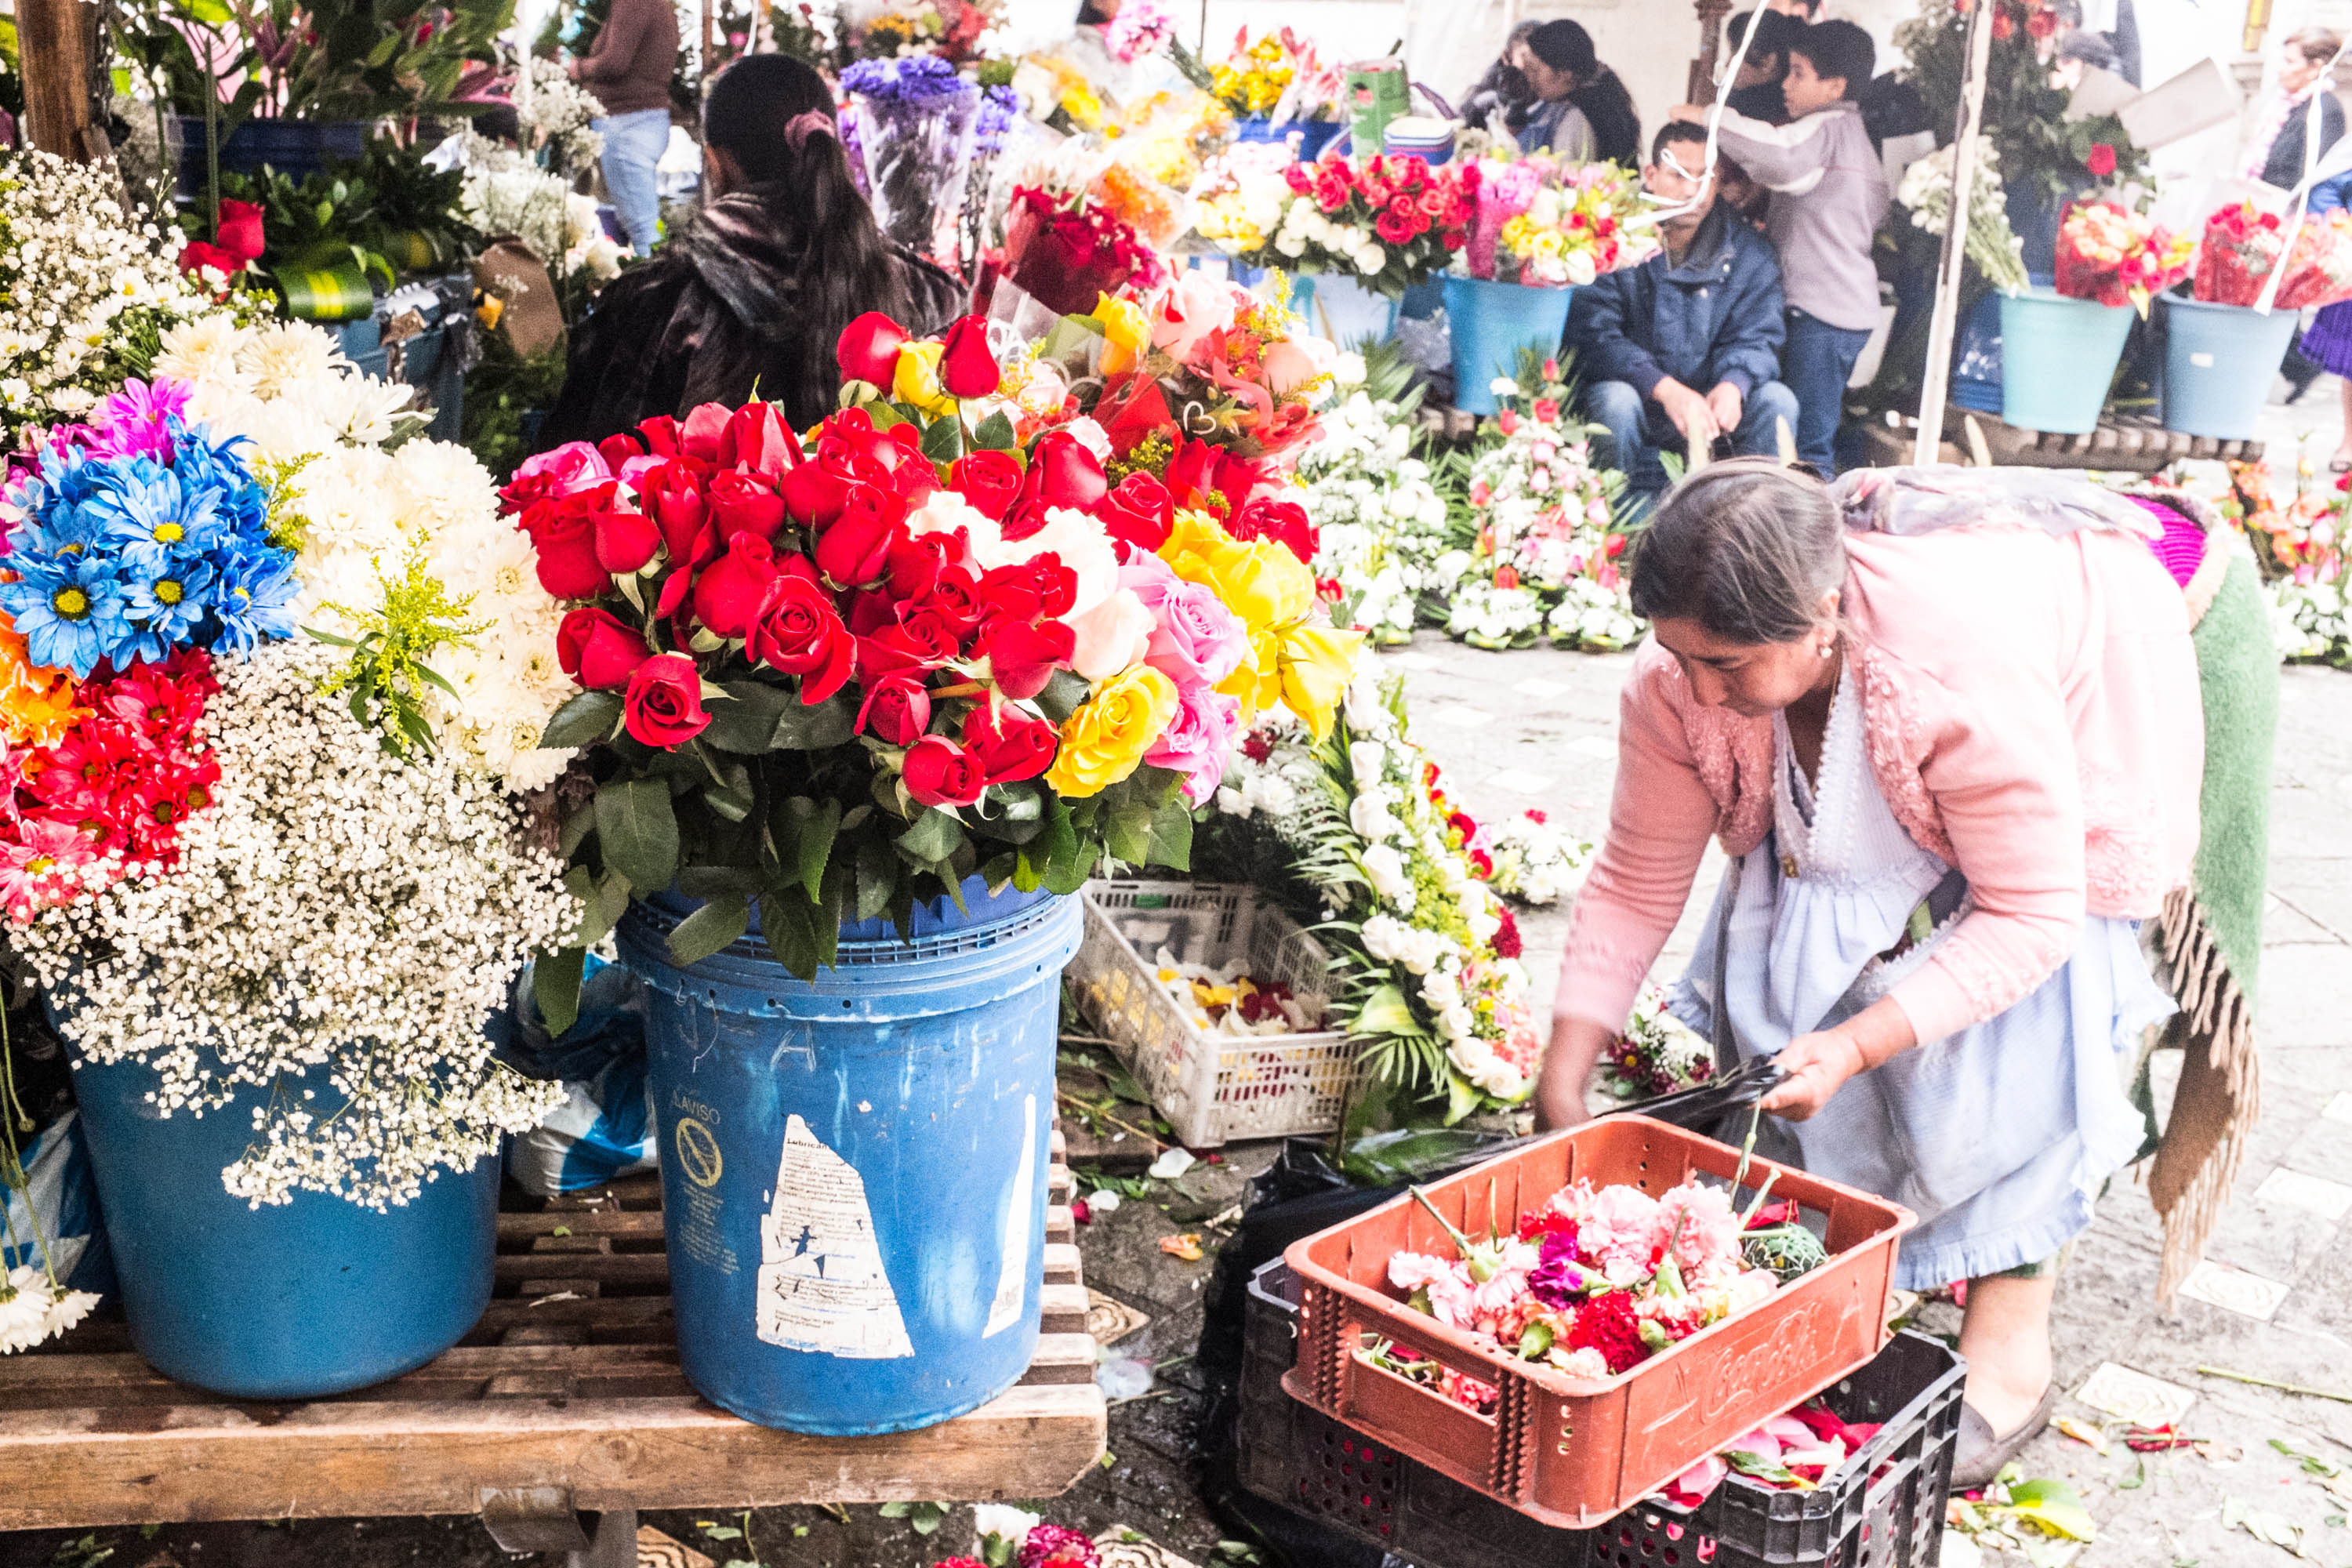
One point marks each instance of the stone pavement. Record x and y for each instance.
(1536, 729)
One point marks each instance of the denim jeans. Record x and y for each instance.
(1815, 361)
(633, 145)
(1638, 428)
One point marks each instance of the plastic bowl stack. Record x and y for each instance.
(1423, 136)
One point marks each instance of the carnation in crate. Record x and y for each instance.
(1226, 999)
(1593, 1282)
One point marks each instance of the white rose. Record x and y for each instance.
(1367, 814)
(1384, 937)
(1367, 759)
(1235, 801)
(1371, 259)
(1440, 991)
(1384, 867)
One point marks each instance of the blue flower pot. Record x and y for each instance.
(1490, 323)
(2217, 364)
(853, 1169)
(2057, 359)
(292, 147)
(295, 1300)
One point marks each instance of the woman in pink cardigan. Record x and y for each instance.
(1946, 723)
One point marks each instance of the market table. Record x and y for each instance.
(565, 1399)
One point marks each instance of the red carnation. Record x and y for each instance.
(1506, 941)
(1051, 1546)
(1606, 1323)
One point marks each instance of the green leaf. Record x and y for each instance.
(555, 987)
(943, 442)
(1534, 1340)
(1061, 695)
(582, 721)
(788, 926)
(639, 832)
(935, 836)
(1388, 1013)
(1462, 1098)
(745, 721)
(1170, 842)
(816, 846)
(711, 929)
(800, 729)
(1127, 830)
(2055, 1506)
(715, 882)
(878, 875)
(995, 434)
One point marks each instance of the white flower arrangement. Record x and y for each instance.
(83, 290)
(506, 192)
(1385, 525)
(338, 905)
(1444, 997)
(1547, 518)
(2312, 621)
(1535, 862)
(1486, 616)
(360, 510)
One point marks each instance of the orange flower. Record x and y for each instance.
(36, 705)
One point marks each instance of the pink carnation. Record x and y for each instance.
(1708, 1246)
(1621, 1230)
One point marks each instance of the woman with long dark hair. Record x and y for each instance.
(755, 292)
(1584, 110)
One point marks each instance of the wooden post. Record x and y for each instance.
(710, 40)
(58, 41)
(1955, 252)
(1711, 14)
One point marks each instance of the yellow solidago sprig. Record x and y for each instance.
(386, 673)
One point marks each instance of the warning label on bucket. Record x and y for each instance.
(821, 1285)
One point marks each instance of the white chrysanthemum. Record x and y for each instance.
(203, 351)
(32, 1311)
(443, 486)
(286, 357)
(360, 409)
(339, 907)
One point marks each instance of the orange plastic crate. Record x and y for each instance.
(1569, 1452)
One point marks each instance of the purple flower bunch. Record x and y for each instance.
(914, 80)
(999, 107)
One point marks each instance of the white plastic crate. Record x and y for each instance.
(1212, 1087)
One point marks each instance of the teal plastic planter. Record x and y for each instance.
(2217, 364)
(853, 1170)
(1490, 323)
(2057, 359)
(286, 1301)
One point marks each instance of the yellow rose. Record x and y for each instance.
(1261, 582)
(917, 380)
(1106, 737)
(1317, 663)
(1257, 681)
(1126, 332)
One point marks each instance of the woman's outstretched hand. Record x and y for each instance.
(1815, 1064)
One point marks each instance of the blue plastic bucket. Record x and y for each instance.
(2057, 359)
(1341, 309)
(286, 1301)
(853, 1170)
(2217, 364)
(1313, 135)
(1491, 322)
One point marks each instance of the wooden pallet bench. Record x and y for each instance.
(565, 1397)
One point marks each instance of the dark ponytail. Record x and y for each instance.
(1602, 100)
(757, 112)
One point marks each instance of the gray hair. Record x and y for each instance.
(1746, 547)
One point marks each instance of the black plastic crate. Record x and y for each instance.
(1885, 1510)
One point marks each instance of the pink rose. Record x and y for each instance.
(574, 465)
(1292, 364)
(1196, 641)
(1110, 637)
(1194, 306)
(1198, 740)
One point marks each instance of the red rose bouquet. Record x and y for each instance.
(2115, 256)
(1393, 222)
(2243, 244)
(835, 673)
(1065, 247)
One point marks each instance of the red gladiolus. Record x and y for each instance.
(989, 480)
(967, 369)
(940, 772)
(1281, 521)
(1010, 745)
(663, 706)
(239, 232)
(598, 649)
(1022, 657)
(730, 593)
(744, 504)
(869, 349)
(625, 541)
(855, 548)
(1140, 513)
(800, 633)
(896, 708)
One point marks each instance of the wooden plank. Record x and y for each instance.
(1061, 1263)
(608, 1268)
(92, 1468)
(641, 1224)
(1064, 1307)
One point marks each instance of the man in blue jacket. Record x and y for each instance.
(1685, 348)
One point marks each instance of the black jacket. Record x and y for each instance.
(712, 316)
(2284, 166)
